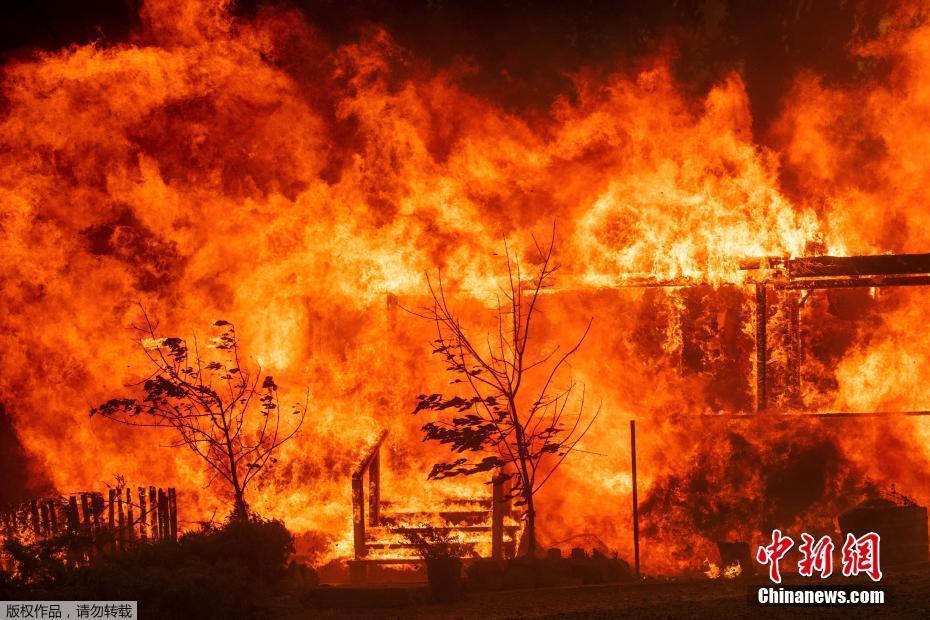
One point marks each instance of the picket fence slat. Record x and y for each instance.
(153, 518)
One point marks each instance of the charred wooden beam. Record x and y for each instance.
(761, 348)
(164, 527)
(85, 511)
(807, 272)
(34, 511)
(97, 502)
(46, 520)
(74, 523)
(111, 523)
(374, 488)
(497, 517)
(53, 516)
(793, 347)
(121, 536)
(635, 498)
(507, 505)
(358, 517)
(153, 511)
(826, 415)
(130, 517)
(143, 515)
(853, 281)
(857, 266)
(172, 514)
(366, 461)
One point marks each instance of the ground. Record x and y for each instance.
(908, 596)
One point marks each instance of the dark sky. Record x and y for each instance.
(534, 43)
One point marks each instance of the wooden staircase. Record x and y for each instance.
(379, 538)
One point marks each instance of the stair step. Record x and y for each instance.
(389, 546)
(476, 503)
(386, 561)
(377, 532)
(471, 517)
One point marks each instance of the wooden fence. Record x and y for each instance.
(123, 518)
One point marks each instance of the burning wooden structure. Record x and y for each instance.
(792, 277)
(378, 540)
(789, 282)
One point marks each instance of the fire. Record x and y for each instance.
(731, 571)
(247, 168)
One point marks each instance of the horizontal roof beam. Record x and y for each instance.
(858, 266)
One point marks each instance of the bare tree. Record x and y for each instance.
(513, 412)
(227, 415)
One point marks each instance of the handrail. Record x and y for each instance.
(371, 464)
(360, 470)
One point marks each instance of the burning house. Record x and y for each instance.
(754, 278)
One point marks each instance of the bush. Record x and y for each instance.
(432, 543)
(263, 546)
(221, 572)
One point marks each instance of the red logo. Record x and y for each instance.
(859, 555)
(773, 553)
(816, 556)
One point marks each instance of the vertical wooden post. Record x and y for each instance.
(121, 536)
(111, 524)
(374, 489)
(153, 510)
(173, 514)
(85, 511)
(507, 506)
(130, 516)
(635, 499)
(761, 348)
(160, 514)
(358, 517)
(53, 516)
(96, 501)
(46, 525)
(793, 302)
(34, 510)
(166, 517)
(87, 500)
(73, 523)
(143, 516)
(358, 573)
(497, 516)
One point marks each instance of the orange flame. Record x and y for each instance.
(244, 168)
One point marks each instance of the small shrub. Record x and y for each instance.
(263, 546)
(431, 543)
